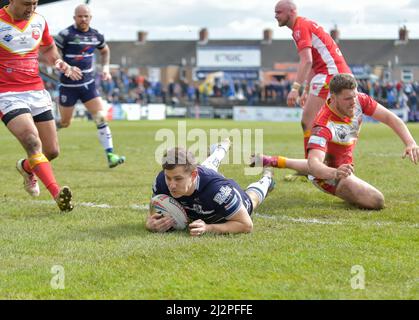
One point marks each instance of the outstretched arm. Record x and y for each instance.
(239, 223)
(318, 169)
(50, 56)
(399, 127)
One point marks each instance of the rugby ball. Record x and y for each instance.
(166, 205)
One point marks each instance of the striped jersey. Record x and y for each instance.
(19, 45)
(215, 200)
(78, 48)
(337, 136)
(327, 57)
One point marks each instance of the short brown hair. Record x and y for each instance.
(341, 82)
(179, 157)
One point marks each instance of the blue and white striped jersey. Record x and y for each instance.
(215, 200)
(78, 48)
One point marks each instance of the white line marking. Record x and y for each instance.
(259, 215)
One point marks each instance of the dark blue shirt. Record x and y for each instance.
(78, 48)
(215, 200)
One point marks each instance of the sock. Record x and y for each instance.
(43, 170)
(260, 188)
(306, 138)
(281, 162)
(105, 137)
(214, 160)
(26, 166)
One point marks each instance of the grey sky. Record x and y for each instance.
(236, 19)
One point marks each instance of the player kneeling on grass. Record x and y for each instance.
(332, 141)
(212, 202)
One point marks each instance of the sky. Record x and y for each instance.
(235, 19)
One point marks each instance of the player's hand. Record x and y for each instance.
(197, 228)
(303, 99)
(292, 98)
(413, 152)
(106, 75)
(73, 73)
(159, 223)
(344, 171)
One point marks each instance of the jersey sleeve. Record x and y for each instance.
(319, 138)
(47, 39)
(227, 200)
(368, 104)
(102, 42)
(302, 36)
(60, 39)
(158, 185)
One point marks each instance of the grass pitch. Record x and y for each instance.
(304, 245)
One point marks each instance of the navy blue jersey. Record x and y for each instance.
(78, 48)
(215, 200)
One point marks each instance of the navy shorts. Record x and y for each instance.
(70, 95)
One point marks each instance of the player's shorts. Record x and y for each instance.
(328, 186)
(319, 85)
(37, 102)
(70, 94)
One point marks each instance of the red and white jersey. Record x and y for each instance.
(337, 136)
(327, 57)
(19, 44)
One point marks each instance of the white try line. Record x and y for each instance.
(258, 215)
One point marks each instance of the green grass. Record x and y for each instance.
(303, 246)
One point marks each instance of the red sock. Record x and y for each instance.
(307, 135)
(305, 146)
(43, 170)
(26, 166)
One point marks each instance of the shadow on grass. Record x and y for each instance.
(124, 230)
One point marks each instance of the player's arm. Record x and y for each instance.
(399, 127)
(156, 222)
(318, 169)
(240, 222)
(303, 71)
(105, 58)
(49, 55)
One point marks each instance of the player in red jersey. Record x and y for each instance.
(330, 148)
(25, 106)
(320, 59)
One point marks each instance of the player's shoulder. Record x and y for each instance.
(323, 116)
(96, 32)
(65, 32)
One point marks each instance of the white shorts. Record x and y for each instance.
(36, 102)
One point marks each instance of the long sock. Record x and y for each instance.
(26, 166)
(306, 138)
(281, 162)
(260, 188)
(214, 160)
(42, 168)
(105, 137)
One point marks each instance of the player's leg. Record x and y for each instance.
(311, 108)
(217, 153)
(360, 193)
(299, 165)
(47, 130)
(93, 103)
(319, 91)
(258, 191)
(24, 129)
(68, 98)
